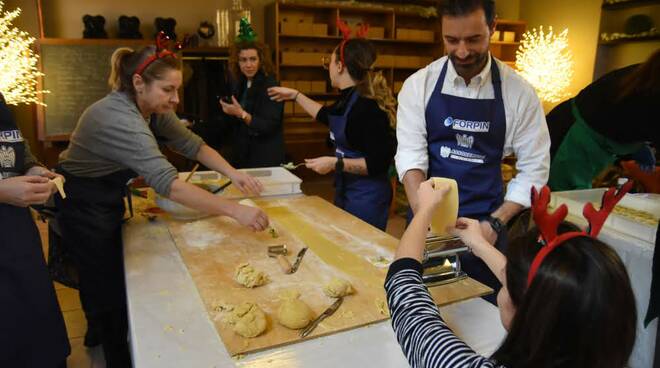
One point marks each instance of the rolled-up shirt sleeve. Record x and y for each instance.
(411, 127)
(530, 142)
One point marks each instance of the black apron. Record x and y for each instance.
(90, 221)
(32, 330)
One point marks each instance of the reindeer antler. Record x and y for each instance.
(545, 221)
(362, 32)
(344, 29)
(162, 41)
(548, 223)
(610, 199)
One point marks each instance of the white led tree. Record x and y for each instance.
(18, 62)
(546, 62)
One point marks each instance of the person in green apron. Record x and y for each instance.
(31, 317)
(613, 118)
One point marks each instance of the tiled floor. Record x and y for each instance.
(82, 357)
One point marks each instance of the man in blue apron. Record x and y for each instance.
(460, 115)
(32, 330)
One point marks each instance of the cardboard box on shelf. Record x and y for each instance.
(305, 29)
(402, 34)
(288, 84)
(304, 86)
(302, 58)
(384, 61)
(424, 35)
(288, 108)
(320, 29)
(509, 36)
(495, 36)
(376, 32)
(288, 28)
(318, 87)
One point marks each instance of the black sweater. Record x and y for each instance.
(367, 130)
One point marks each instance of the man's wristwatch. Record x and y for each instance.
(496, 224)
(339, 166)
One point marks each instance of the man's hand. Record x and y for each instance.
(42, 171)
(252, 217)
(23, 191)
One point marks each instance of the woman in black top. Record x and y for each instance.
(258, 135)
(32, 331)
(360, 124)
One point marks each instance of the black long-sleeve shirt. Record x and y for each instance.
(367, 130)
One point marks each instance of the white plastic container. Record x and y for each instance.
(576, 199)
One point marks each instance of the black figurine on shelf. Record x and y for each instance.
(94, 26)
(129, 27)
(166, 25)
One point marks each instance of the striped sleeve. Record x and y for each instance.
(424, 337)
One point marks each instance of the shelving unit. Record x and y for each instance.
(300, 34)
(617, 53)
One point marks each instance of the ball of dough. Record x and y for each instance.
(247, 276)
(294, 314)
(248, 320)
(337, 288)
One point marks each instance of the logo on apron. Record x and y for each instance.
(7, 157)
(11, 136)
(464, 140)
(467, 125)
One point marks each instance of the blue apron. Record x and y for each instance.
(465, 142)
(365, 197)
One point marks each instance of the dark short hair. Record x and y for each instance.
(458, 8)
(579, 310)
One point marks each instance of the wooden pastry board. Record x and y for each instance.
(339, 245)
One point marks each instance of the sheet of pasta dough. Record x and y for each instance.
(447, 212)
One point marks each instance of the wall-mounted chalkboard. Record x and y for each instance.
(76, 74)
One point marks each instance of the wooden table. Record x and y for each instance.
(171, 290)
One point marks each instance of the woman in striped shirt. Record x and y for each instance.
(578, 310)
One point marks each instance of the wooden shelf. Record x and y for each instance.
(630, 40)
(629, 4)
(337, 38)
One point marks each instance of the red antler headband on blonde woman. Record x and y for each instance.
(162, 42)
(346, 33)
(547, 223)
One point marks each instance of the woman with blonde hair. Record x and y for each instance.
(361, 123)
(117, 138)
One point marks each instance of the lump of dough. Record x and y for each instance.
(247, 319)
(293, 313)
(337, 288)
(247, 276)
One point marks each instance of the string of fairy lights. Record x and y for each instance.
(546, 62)
(19, 73)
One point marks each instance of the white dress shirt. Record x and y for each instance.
(526, 129)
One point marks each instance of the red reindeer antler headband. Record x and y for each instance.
(162, 42)
(547, 223)
(346, 34)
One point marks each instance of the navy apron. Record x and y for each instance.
(365, 197)
(465, 142)
(90, 221)
(32, 330)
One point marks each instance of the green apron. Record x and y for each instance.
(583, 154)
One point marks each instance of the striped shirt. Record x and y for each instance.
(424, 337)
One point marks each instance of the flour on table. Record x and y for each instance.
(201, 234)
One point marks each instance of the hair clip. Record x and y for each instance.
(548, 223)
